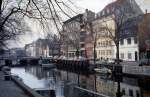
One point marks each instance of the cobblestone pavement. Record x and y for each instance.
(9, 88)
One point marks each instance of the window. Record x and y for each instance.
(102, 43)
(121, 42)
(135, 40)
(130, 93)
(82, 45)
(82, 39)
(122, 55)
(98, 44)
(137, 93)
(106, 43)
(104, 52)
(103, 13)
(110, 52)
(123, 91)
(129, 56)
(129, 40)
(100, 52)
(109, 43)
(107, 11)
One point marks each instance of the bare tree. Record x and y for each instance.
(54, 42)
(13, 12)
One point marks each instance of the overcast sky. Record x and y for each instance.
(94, 5)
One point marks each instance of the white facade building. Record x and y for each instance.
(129, 50)
(30, 49)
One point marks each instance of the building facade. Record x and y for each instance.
(74, 35)
(71, 35)
(108, 18)
(129, 50)
(30, 49)
(105, 47)
(144, 36)
(43, 48)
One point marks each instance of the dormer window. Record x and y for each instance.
(108, 11)
(99, 14)
(113, 9)
(103, 13)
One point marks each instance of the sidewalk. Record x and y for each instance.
(9, 88)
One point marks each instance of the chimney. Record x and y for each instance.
(86, 10)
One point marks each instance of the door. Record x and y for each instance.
(136, 56)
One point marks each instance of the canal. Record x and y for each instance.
(61, 83)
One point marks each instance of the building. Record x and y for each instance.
(89, 38)
(43, 48)
(129, 43)
(129, 50)
(81, 32)
(74, 34)
(71, 35)
(144, 36)
(109, 17)
(30, 49)
(105, 46)
(54, 46)
(135, 45)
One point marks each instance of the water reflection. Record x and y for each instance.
(106, 86)
(30, 79)
(59, 83)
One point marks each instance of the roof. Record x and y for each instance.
(73, 18)
(130, 27)
(130, 6)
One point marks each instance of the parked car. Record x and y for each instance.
(144, 62)
(103, 70)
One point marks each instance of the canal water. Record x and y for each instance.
(61, 83)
